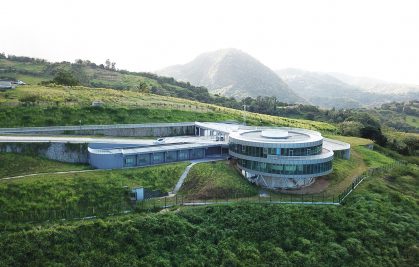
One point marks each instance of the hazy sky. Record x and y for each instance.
(369, 38)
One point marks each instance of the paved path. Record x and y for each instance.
(188, 168)
(44, 173)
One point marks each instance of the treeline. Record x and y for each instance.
(22, 59)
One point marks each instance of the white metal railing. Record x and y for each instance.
(93, 127)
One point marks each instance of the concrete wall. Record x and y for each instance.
(106, 161)
(64, 152)
(342, 154)
(139, 131)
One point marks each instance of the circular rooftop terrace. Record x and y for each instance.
(278, 136)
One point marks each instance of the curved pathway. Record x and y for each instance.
(188, 168)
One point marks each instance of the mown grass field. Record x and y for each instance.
(17, 164)
(76, 191)
(216, 180)
(413, 121)
(362, 158)
(47, 106)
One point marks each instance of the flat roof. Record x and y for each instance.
(154, 148)
(335, 145)
(276, 136)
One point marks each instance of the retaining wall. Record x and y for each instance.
(64, 152)
(134, 130)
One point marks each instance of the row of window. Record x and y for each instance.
(163, 157)
(263, 152)
(287, 169)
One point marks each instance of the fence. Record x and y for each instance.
(268, 198)
(86, 212)
(65, 213)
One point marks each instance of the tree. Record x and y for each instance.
(107, 64)
(64, 77)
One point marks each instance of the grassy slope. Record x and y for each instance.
(17, 164)
(33, 73)
(216, 180)
(413, 121)
(344, 171)
(88, 189)
(64, 105)
(376, 227)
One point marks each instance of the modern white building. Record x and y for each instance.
(271, 157)
(283, 157)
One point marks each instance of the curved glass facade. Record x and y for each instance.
(263, 152)
(286, 169)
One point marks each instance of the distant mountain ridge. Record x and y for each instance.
(376, 86)
(232, 73)
(328, 90)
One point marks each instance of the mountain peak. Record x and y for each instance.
(232, 72)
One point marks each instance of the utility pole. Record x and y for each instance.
(244, 114)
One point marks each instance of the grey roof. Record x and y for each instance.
(335, 145)
(153, 149)
(295, 137)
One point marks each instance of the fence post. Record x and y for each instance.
(165, 202)
(176, 199)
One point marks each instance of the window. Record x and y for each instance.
(130, 161)
(197, 153)
(158, 157)
(183, 155)
(143, 159)
(171, 156)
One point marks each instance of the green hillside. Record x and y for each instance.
(34, 105)
(34, 71)
(376, 227)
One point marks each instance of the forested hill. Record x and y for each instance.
(84, 72)
(87, 73)
(232, 72)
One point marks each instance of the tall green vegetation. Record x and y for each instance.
(376, 227)
(64, 77)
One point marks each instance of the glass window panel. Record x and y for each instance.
(143, 159)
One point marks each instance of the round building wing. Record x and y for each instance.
(280, 157)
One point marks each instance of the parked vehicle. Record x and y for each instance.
(159, 141)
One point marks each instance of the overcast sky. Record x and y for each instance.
(368, 38)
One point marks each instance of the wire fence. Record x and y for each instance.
(78, 212)
(74, 212)
(265, 198)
